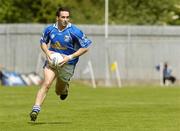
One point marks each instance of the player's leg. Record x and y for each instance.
(49, 76)
(164, 80)
(62, 88)
(64, 75)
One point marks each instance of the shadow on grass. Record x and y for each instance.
(49, 123)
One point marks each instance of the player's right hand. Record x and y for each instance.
(48, 56)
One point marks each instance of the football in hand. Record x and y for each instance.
(56, 58)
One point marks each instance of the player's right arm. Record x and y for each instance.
(45, 40)
(44, 48)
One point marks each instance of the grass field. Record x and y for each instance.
(144, 108)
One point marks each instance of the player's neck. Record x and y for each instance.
(61, 27)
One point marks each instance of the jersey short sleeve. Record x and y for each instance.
(80, 37)
(45, 35)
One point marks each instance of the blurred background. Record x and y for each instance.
(137, 35)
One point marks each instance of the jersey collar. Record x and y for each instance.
(56, 26)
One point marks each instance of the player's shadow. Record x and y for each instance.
(49, 123)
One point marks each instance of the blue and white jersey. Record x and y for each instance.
(65, 41)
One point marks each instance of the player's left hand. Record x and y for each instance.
(65, 60)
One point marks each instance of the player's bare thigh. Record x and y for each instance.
(49, 76)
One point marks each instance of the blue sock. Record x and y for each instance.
(36, 108)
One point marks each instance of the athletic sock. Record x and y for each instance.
(36, 108)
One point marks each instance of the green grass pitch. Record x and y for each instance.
(143, 108)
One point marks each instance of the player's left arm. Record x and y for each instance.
(78, 53)
(83, 44)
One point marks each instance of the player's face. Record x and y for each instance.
(63, 18)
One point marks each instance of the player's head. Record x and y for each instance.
(62, 16)
(165, 65)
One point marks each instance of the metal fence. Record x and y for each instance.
(137, 49)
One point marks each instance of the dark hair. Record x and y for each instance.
(61, 9)
(165, 64)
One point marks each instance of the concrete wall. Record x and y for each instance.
(137, 49)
